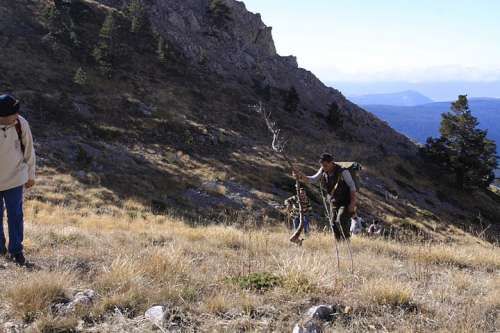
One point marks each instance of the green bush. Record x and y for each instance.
(258, 281)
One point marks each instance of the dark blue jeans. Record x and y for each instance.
(296, 223)
(13, 199)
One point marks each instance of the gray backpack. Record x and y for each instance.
(354, 168)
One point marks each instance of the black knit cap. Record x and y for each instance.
(8, 105)
(325, 157)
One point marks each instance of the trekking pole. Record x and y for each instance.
(348, 241)
(329, 216)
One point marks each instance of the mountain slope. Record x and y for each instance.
(404, 98)
(157, 186)
(178, 135)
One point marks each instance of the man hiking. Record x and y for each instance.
(341, 193)
(17, 170)
(292, 205)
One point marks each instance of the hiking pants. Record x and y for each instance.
(296, 223)
(13, 200)
(342, 223)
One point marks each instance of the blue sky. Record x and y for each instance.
(378, 40)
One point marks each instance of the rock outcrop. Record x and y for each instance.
(239, 46)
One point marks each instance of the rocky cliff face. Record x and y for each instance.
(228, 40)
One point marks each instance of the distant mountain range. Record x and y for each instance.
(404, 98)
(437, 91)
(422, 121)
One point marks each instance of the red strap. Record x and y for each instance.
(19, 131)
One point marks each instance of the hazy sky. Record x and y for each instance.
(367, 40)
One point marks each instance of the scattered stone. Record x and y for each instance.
(137, 107)
(11, 327)
(82, 299)
(321, 312)
(85, 111)
(309, 327)
(156, 315)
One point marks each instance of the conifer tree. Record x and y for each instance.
(80, 77)
(292, 100)
(463, 149)
(103, 53)
(137, 16)
(162, 50)
(335, 118)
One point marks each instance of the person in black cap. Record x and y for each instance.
(17, 171)
(341, 192)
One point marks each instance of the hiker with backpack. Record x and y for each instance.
(17, 171)
(340, 188)
(292, 205)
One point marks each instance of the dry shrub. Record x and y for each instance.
(217, 304)
(297, 282)
(164, 265)
(123, 275)
(224, 237)
(385, 292)
(465, 256)
(50, 324)
(37, 293)
(222, 303)
(131, 302)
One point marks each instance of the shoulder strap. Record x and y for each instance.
(19, 131)
(339, 178)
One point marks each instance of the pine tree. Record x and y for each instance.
(103, 53)
(137, 15)
(464, 149)
(80, 77)
(335, 118)
(54, 19)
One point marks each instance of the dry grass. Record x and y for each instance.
(134, 261)
(36, 294)
(384, 292)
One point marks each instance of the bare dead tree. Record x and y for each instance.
(278, 145)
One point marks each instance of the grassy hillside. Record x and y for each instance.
(157, 185)
(227, 278)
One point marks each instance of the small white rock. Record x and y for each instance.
(156, 315)
(298, 329)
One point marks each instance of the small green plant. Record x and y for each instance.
(80, 77)
(258, 281)
(162, 50)
(137, 16)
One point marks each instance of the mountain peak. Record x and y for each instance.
(403, 98)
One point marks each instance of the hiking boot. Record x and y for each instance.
(298, 241)
(18, 258)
